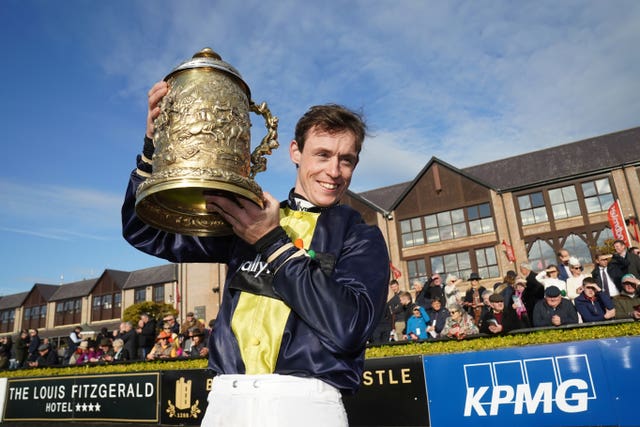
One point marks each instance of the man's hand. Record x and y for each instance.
(157, 92)
(248, 220)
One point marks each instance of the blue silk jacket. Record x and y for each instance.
(305, 310)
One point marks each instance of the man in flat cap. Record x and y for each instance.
(554, 310)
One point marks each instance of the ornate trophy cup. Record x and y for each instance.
(203, 144)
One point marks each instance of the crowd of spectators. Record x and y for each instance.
(560, 294)
(149, 339)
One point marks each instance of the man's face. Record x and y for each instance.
(603, 261)
(405, 301)
(325, 166)
(553, 302)
(619, 247)
(436, 305)
(437, 280)
(498, 306)
(395, 288)
(564, 257)
(629, 287)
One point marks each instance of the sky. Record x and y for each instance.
(465, 81)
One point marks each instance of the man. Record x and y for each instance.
(34, 344)
(554, 310)
(130, 338)
(74, 340)
(564, 269)
(392, 315)
(473, 297)
(308, 315)
(627, 303)
(498, 320)
(436, 289)
(627, 260)
(607, 276)
(437, 318)
(198, 346)
(592, 304)
(146, 334)
(46, 357)
(421, 298)
(170, 320)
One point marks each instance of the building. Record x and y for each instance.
(453, 220)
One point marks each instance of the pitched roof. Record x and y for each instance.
(46, 291)
(152, 276)
(589, 156)
(567, 161)
(13, 301)
(74, 290)
(119, 277)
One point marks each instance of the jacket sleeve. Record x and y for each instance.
(170, 246)
(343, 306)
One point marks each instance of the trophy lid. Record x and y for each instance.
(207, 58)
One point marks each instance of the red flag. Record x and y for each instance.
(394, 271)
(616, 221)
(509, 251)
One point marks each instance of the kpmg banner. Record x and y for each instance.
(121, 397)
(582, 383)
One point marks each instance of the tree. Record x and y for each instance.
(153, 309)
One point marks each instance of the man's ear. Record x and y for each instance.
(294, 152)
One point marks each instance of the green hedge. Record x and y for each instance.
(547, 336)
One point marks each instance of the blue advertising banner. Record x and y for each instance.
(582, 383)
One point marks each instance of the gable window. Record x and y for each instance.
(564, 202)
(480, 220)
(597, 195)
(541, 255)
(412, 234)
(445, 225)
(532, 208)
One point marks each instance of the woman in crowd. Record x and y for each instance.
(459, 324)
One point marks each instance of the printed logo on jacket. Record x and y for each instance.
(537, 386)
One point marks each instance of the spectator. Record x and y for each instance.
(120, 353)
(606, 275)
(534, 291)
(88, 353)
(451, 291)
(171, 320)
(554, 310)
(21, 349)
(627, 261)
(518, 298)
(549, 277)
(46, 357)
(163, 348)
(437, 317)
(564, 268)
(198, 346)
(435, 290)
(417, 324)
(393, 310)
(104, 333)
(130, 338)
(574, 281)
(34, 343)
(473, 297)
(627, 303)
(191, 322)
(421, 294)
(459, 324)
(592, 304)
(72, 345)
(147, 331)
(5, 351)
(406, 304)
(106, 349)
(497, 320)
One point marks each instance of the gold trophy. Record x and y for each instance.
(203, 144)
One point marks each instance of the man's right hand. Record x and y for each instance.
(157, 92)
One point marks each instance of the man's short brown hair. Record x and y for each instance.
(331, 118)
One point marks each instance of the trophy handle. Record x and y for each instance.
(268, 143)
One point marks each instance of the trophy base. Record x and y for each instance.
(179, 206)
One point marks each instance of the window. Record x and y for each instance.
(417, 270)
(603, 236)
(117, 300)
(27, 313)
(411, 230)
(106, 302)
(487, 262)
(597, 195)
(140, 295)
(480, 219)
(97, 302)
(578, 248)
(158, 293)
(457, 264)
(43, 311)
(532, 209)
(445, 225)
(564, 202)
(540, 255)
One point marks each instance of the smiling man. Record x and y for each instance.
(290, 338)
